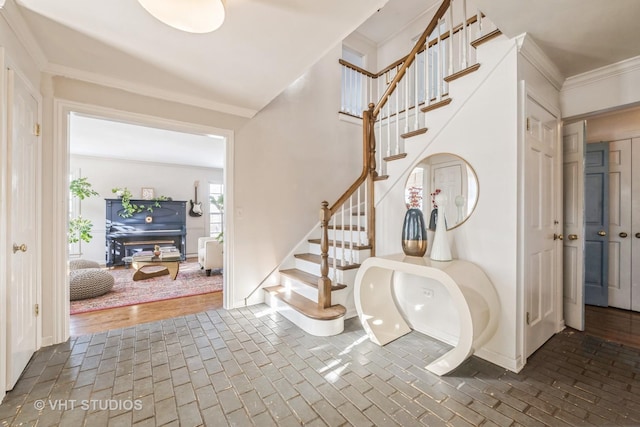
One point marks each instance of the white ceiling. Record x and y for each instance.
(577, 35)
(264, 45)
(90, 136)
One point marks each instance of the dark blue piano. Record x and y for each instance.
(165, 226)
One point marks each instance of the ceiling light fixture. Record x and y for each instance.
(192, 16)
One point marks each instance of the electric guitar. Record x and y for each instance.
(196, 208)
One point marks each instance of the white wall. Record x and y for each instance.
(290, 157)
(484, 133)
(175, 181)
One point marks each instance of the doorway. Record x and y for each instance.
(621, 131)
(65, 111)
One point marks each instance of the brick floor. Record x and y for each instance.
(253, 367)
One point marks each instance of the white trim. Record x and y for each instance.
(349, 119)
(4, 248)
(608, 71)
(145, 90)
(62, 108)
(536, 56)
(11, 14)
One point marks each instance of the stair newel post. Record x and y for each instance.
(370, 137)
(324, 283)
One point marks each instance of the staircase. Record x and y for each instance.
(316, 284)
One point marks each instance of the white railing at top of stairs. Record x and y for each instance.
(442, 53)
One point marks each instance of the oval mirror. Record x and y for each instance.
(445, 174)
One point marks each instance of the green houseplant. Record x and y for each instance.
(218, 202)
(129, 208)
(79, 227)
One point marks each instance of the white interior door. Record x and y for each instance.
(22, 231)
(542, 213)
(620, 236)
(635, 225)
(573, 228)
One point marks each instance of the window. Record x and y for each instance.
(354, 84)
(216, 210)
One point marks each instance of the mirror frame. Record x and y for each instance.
(426, 199)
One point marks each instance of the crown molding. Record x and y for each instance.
(603, 73)
(150, 91)
(528, 48)
(9, 10)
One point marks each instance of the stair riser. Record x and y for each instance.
(346, 277)
(348, 236)
(358, 255)
(319, 328)
(311, 293)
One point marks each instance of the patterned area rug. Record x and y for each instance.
(190, 281)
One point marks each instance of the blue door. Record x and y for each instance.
(596, 215)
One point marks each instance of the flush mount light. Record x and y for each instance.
(192, 16)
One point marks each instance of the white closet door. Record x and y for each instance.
(620, 236)
(634, 235)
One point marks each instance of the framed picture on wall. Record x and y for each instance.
(147, 193)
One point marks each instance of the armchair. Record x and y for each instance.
(209, 254)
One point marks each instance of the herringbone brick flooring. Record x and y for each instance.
(251, 367)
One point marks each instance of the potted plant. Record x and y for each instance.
(129, 208)
(79, 227)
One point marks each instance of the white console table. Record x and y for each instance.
(471, 291)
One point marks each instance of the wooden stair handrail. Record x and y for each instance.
(411, 57)
(368, 166)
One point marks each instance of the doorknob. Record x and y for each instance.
(560, 236)
(602, 233)
(623, 234)
(21, 247)
(573, 237)
(637, 235)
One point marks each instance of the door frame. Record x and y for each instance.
(61, 111)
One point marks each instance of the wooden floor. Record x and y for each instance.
(122, 317)
(613, 324)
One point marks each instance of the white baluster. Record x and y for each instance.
(427, 77)
(343, 79)
(416, 101)
(366, 210)
(465, 54)
(351, 226)
(388, 128)
(355, 93)
(334, 245)
(342, 260)
(379, 144)
(406, 79)
(479, 32)
(397, 130)
(450, 41)
(359, 212)
(352, 98)
(440, 61)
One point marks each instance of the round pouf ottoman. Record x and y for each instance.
(89, 283)
(77, 264)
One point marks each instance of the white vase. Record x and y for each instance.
(440, 250)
